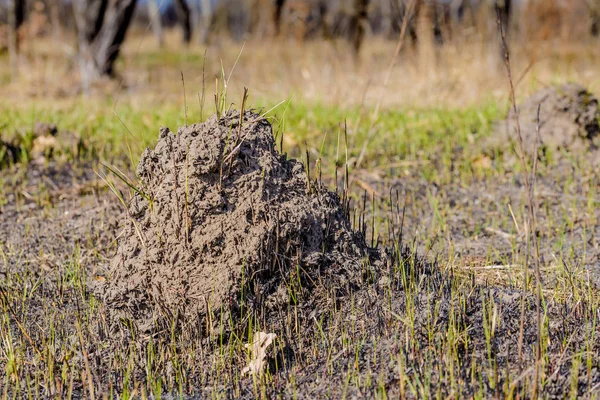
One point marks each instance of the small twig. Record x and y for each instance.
(21, 327)
(184, 99)
(530, 226)
(534, 238)
(234, 64)
(263, 116)
(512, 214)
(524, 164)
(244, 98)
(217, 97)
(86, 360)
(386, 81)
(203, 88)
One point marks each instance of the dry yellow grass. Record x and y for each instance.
(459, 74)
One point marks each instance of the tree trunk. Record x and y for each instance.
(206, 20)
(55, 19)
(279, 4)
(102, 26)
(108, 42)
(360, 24)
(90, 17)
(155, 21)
(184, 16)
(19, 10)
(324, 22)
(16, 17)
(594, 7)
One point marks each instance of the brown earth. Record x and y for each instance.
(569, 119)
(221, 219)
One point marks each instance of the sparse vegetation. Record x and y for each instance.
(452, 300)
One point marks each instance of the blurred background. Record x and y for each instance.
(160, 62)
(333, 51)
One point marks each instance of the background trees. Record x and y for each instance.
(102, 25)
(101, 29)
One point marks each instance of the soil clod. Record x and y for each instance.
(39, 144)
(222, 222)
(569, 119)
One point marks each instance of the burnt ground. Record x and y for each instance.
(478, 221)
(220, 223)
(443, 320)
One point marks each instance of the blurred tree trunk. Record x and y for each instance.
(324, 22)
(409, 10)
(594, 7)
(16, 17)
(55, 18)
(278, 10)
(206, 20)
(89, 16)
(155, 21)
(102, 26)
(185, 18)
(19, 13)
(360, 21)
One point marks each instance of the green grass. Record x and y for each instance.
(403, 135)
(109, 133)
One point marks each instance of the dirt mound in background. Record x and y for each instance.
(569, 118)
(42, 143)
(222, 219)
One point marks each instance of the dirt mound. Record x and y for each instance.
(223, 221)
(42, 143)
(569, 119)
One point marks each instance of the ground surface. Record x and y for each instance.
(445, 320)
(58, 241)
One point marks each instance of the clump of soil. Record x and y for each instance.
(223, 221)
(569, 119)
(44, 142)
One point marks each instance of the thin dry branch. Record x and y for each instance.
(529, 224)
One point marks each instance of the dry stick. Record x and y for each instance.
(534, 238)
(386, 81)
(86, 360)
(521, 157)
(184, 99)
(217, 97)
(201, 100)
(531, 215)
(239, 140)
(388, 74)
(244, 98)
(21, 327)
(234, 65)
